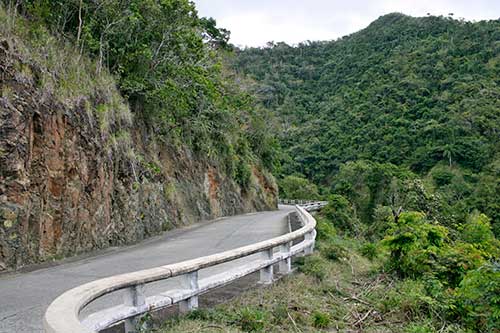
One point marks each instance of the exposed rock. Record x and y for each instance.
(67, 186)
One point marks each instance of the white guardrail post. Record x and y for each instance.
(133, 297)
(189, 282)
(266, 273)
(285, 265)
(309, 237)
(63, 315)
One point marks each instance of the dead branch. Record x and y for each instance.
(293, 322)
(357, 323)
(354, 298)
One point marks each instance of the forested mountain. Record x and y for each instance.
(405, 98)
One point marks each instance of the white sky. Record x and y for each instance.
(255, 22)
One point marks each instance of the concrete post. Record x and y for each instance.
(285, 266)
(189, 281)
(266, 273)
(309, 250)
(188, 305)
(133, 296)
(313, 236)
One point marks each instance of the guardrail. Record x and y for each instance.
(309, 205)
(63, 315)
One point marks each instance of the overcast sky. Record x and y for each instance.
(255, 22)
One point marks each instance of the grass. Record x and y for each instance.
(55, 65)
(321, 298)
(337, 289)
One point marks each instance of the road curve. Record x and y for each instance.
(24, 297)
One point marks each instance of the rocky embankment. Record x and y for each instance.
(80, 174)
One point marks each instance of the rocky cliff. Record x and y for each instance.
(76, 176)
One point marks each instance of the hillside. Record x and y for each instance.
(107, 144)
(406, 98)
(398, 126)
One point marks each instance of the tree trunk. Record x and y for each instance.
(80, 23)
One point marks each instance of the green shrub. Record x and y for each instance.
(320, 319)
(478, 232)
(383, 218)
(201, 314)
(298, 187)
(314, 266)
(334, 252)
(454, 261)
(251, 320)
(243, 173)
(280, 313)
(325, 230)
(411, 298)
(419, 248)
(478, 298)
(341, 214)
(442, 176)
(420, 327)
(369, 250)
(414, 244)
(428, 326)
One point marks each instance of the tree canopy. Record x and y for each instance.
(416, 94)
(169, 64)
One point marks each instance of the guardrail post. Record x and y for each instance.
(266, 273)
(285, 266)
(309, 236)
(189, 281)
(134, 297)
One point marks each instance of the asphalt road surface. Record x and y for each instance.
(25, 296)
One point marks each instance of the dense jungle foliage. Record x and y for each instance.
(406, 107)
(168, 63)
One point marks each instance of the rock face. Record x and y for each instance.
(71, 182)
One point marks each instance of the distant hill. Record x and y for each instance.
(418, 93)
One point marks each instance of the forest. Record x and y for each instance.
(406, 101)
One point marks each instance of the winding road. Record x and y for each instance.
(25, 296)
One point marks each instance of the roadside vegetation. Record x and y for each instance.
(397, 127)
(414, 279)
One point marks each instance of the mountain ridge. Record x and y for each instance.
(418, 93)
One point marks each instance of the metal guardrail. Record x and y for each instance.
(62, 316)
